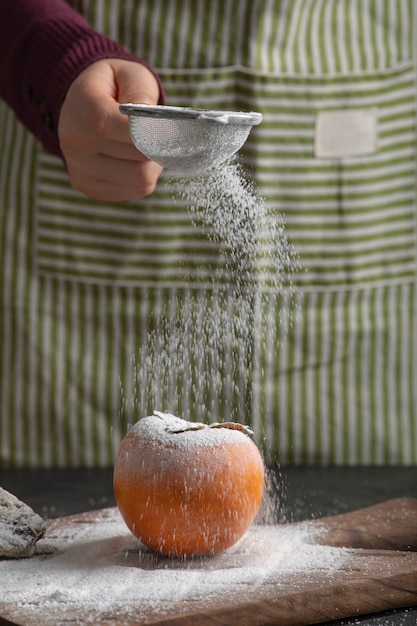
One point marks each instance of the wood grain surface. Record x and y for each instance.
(390, 525)
(381, 573)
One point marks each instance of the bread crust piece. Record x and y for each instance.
(20, 527)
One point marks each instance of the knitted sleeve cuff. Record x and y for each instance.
(53, 49)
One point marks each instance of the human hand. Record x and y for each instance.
(101, 159)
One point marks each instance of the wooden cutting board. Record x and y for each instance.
(371, 566)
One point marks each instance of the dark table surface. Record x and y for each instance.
(304, 493)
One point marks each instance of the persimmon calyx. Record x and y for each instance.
(176, 425)
(232, 426)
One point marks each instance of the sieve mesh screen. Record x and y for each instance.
(185, 144)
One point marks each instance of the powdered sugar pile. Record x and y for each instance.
(91, 570)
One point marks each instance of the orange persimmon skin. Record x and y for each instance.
(191, 493)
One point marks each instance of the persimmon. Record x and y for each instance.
(188, 489)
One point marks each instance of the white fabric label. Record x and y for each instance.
(346, 133)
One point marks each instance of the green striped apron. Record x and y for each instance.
(86, 287)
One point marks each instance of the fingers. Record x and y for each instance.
(104, 178)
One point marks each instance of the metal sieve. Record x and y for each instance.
(188, 142)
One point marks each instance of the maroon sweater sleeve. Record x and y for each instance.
(44, 45)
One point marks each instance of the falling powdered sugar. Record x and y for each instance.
(208, 348)
(234, 215)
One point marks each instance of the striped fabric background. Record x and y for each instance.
(83, 284)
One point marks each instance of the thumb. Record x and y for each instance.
(135, 83)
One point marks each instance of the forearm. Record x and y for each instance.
(44, 45)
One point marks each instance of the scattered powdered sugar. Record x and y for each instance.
(91, 570)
